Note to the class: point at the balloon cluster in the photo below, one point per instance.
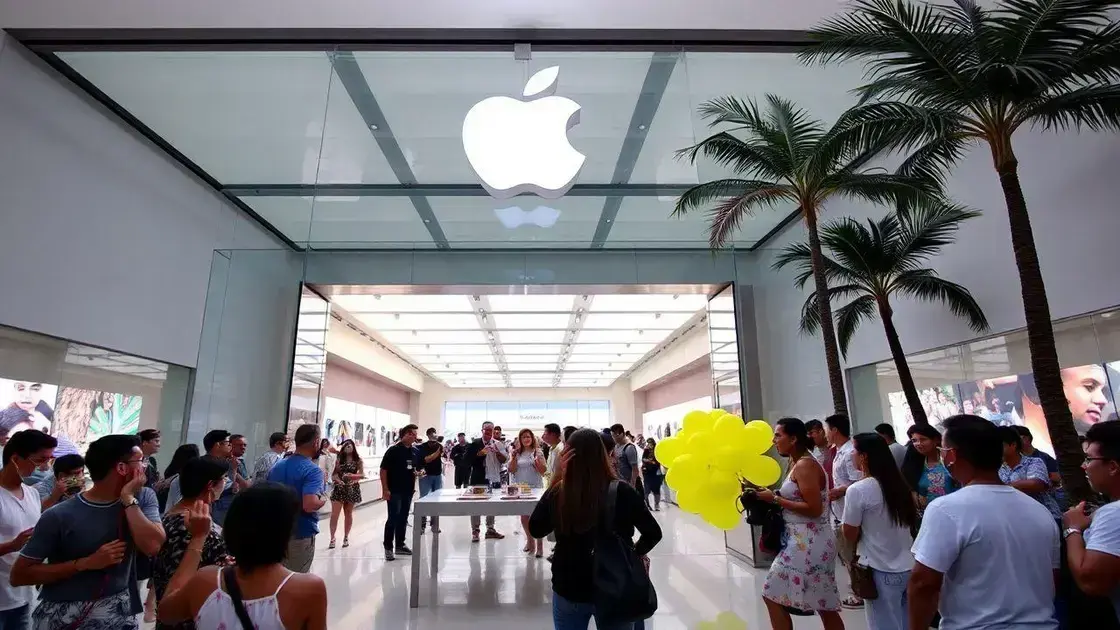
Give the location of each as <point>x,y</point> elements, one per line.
<point>707,459</point>
<point>725,621</point>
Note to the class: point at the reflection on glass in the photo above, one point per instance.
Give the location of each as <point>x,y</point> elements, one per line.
<point>310,364</point>
<point>514,217</point>
<point>724,346</point>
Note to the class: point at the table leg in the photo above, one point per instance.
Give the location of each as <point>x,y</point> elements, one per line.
<point>417,551</point>
<point>435,547</point>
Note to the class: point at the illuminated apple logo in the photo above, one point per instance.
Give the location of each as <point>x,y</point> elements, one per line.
<point>521,145</point>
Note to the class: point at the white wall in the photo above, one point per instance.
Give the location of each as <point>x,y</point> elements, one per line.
<point>1068,182</point>
<point>429,411</point>
<point>350,345</point>
<point>690,348</point>
<point>104,239</point>
<point>353,14</point>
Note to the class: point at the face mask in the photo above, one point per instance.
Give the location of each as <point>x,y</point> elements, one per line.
<point>35,477</point>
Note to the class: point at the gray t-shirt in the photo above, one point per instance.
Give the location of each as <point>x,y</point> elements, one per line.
<point>1103,536</point>
<point>77,528</point>
<point>627,457</point>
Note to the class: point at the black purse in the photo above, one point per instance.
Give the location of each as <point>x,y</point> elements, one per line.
<point>233,589</point>
<point>623,590</point>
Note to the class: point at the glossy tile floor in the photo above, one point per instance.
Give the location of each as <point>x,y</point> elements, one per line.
<point>493,585</point>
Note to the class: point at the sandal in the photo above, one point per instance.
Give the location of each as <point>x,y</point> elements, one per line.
<point>345,543</point>
<point>331,546</point>
<point>852,602</point>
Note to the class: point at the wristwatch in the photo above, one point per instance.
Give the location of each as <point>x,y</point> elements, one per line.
<point>1069,531</point>
<point>130,503</point>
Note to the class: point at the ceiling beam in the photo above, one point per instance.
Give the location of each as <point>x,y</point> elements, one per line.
<point>357,87</point>
<point>653,89</point>
<point>441,190</point>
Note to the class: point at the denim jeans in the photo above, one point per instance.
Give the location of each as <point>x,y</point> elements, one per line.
<point>16,618</point>
<point>890,610</point>
<point>429,483</point>
<point>568,615</point>
<point>398,505</point>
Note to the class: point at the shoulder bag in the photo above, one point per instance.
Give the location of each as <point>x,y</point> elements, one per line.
<point>233,589</point>
<point>623,590</point>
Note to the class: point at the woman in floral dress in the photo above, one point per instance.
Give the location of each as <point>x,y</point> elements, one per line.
<point>201,479</point>
<point>802,577</point>
<point>348,472</point>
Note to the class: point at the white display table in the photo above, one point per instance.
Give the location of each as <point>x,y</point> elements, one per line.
<point>447,503</point>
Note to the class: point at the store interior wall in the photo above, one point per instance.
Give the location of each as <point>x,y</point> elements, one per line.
<point>1073,213</point>
<point>105,238</point>
<point>348,344</point>
<point>350,382</point>
<point>689,383</point>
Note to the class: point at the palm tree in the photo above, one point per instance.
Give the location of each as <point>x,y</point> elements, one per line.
<point>869,264</point>
<point>786,157</point>
<point>971,75</point>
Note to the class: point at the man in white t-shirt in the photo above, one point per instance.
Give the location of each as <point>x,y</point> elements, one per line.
<point>844,474</point>
<point>987,555</point>
<point>1093,540</point>
<point>19,511</point>
<point>898,451</point>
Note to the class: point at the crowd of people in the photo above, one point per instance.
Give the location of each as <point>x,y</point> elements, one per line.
<point>962,530</point>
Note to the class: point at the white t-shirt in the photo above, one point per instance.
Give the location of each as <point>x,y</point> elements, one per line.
<point>883,545</point>
<point>899,452</point>
<point>998,549</point>
<point>844,473</point>
<point>1103,536</point>
<point>16,515</point>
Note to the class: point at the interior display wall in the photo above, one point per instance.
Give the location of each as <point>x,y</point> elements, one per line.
<point>352,384</point>
<point>105,239</point>
<point>689,384</point>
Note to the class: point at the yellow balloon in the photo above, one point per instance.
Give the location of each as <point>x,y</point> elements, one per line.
<point>669,449</point>
<point>727,426</point>
<point>707,625</point>
<point>763,426</point>
<point>758,440</point>
<point>686,472</point>
<point>723,487</point>
<point>703,444</point>
<point>724,519</point>
<point>727,458</point>
<point>690,500</point>
<point>716,414</point>
<point>697,421</point>
<point>760,470</point>
<point>728,620</point>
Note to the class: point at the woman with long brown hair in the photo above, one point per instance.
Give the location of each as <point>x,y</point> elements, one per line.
<point>527,466</point>
<point>571,508</point>
<point>346,493</point>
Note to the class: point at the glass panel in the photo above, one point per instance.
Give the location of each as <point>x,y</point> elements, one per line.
<point>310,361</point>
<point>724,348</point>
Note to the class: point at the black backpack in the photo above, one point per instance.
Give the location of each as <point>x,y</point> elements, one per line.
<point>623,590</point>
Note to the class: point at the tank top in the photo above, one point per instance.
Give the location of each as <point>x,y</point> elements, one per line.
<point>791,491</point>
<point>217,611</point>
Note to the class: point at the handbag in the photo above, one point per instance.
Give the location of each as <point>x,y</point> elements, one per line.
<point>863,582</point>
<point>623,590</point>
<point>233,589</point>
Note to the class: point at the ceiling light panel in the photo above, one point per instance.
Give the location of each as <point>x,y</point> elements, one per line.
<point>613,348</point>
<point>615,359</point>
<point>529,348</point>
<point>513,359</point>
<point>551,321</point>
<point>532,367</point>
<point>720,319</point>
<point>530,303</point>
<point>442,350</point>
<point>453,359</point>
<point>435,336</point>
<point>684,303</point>
<point>403,303</point>
<point>530,337</point>
<point>626,336</point>
<point>419,321</point>
<point>595,367</point>
<point>632,321</point>
<point>452,367</point>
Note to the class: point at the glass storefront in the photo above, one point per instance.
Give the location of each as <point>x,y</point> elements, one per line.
<point>79,393</point>
<point>468,416</point>
<point>991,377</point>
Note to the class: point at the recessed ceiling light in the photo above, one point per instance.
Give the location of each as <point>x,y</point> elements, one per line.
<point>396,315</point>
<point>376,297</point>
<point>675,297</point>
<point>373,127</point>
<point>414,333</point>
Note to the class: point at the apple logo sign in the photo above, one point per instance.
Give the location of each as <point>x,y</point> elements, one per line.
<point>521,145</point>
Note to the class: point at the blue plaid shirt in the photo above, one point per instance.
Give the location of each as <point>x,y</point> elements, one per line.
<point>1032,468</point>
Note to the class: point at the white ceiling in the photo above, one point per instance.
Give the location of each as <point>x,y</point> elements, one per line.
<point>524,340</point>
<point>284,117</point>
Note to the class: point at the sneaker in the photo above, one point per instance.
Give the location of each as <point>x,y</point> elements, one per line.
<point>492,534</point>
<point>474,536</point>
<point>403,551</point>
<point>389,557</point>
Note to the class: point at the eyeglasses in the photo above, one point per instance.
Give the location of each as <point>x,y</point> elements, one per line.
<point>945,449</point>
<point>39,461</point>
<point>1096,459</point>
<point>133,461</point>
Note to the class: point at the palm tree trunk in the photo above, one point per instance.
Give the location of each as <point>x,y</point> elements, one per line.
<point>828,328</point>
<point>1040,335</point>
<point>917,411</point>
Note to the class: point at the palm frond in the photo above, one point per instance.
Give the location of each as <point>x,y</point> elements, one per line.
<point>810,321</point>
<point>878,188</point>
<point>1046,33</point>
<point>700,195</point>
<point>932,161</point>
<point>753,158</point>
<point>1098,59</point>
<point>1096,107</point>
<point>850,316</point>
<point>728,215</point>
<point>798,131</point>
<point>928,226</point>
<point>800,257</point>
<point>923,284</point>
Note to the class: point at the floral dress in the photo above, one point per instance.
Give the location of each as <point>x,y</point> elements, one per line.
<point>171,554</point>
<point>346,491</point>
<point>803,575</point>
